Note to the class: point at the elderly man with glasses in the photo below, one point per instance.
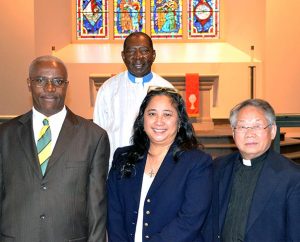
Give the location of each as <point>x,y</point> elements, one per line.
<point>256,190</point>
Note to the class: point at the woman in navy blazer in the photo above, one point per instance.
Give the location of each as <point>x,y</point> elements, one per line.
<point>159,189</point>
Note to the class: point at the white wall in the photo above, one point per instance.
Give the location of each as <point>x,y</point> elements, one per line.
<point>274,31</point>
<point>17,50</point>
<point>282,56</point>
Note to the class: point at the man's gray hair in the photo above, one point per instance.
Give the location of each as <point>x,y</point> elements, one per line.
<point>45,58</point>
<point>258,103</point>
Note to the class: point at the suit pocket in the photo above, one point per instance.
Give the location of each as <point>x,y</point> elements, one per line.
<point>83,239</point>
<point>76,164</point>
<point>6,238</point>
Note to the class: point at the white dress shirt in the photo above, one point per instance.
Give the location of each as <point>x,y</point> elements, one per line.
<point>147,181</point>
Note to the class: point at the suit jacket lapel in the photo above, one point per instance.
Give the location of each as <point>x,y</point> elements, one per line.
<point>66,135</point>
<point>265,186</point>
<point>225,185</point>
<point>163,172</point>
<point>26,137</point>
<point>138,179</point>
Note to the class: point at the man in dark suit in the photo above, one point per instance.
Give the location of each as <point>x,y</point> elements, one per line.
<point>256,191</point>
<point>53,166</point>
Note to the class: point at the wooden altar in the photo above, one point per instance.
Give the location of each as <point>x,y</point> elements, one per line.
<point>208,85</point>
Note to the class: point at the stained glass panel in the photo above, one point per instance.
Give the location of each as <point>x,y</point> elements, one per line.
<point>203,19</point>
<point>129,16</point>
<point>91,19</point>
<point>166,19</point>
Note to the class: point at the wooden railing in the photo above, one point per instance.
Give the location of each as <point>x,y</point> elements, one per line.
<point>285,120</point>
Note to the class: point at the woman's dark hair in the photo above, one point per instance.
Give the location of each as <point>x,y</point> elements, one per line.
<point>184,140</point>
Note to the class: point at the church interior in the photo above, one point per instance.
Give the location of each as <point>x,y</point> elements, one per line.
<point>263,34</point>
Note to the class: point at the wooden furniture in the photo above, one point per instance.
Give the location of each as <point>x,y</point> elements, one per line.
<point>208,85</point>
<point>284,120</point>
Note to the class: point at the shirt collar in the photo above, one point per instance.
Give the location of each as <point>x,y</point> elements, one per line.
<point>143,79</point>
<point>255,160</point>
<point>53,118</point>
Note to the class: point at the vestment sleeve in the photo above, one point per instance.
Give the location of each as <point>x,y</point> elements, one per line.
<point>101,108</point>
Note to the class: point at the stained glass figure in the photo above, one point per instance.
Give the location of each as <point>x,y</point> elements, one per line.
<point>91,19</point>
<point>129,16</point>
<point>166,19</point>
<point>203,18</point>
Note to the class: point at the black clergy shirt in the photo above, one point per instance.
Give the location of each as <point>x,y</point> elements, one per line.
<point>244,182</point>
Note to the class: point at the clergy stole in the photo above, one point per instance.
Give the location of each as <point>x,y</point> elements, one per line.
<point>192,83</point>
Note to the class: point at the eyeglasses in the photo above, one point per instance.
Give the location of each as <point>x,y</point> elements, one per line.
<point>162,89</point>
<point>43,81</point>
<point>255,128</point>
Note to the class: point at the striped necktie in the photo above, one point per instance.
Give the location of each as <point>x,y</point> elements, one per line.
<point>44,145</point>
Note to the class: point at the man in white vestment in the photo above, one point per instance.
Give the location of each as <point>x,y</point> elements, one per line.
<point>119,98</point>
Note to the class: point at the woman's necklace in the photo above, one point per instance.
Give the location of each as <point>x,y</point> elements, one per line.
<point>154,164</point>
<point>151,173</point>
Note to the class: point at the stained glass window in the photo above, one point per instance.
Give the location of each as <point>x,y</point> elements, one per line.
<point>203,18</point>
<point>166,18</point>
<point>161,19</point>
<point>129,16</point>
<point>92,19</point>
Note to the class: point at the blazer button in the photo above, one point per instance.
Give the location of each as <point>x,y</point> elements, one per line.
<point>42,217</point>
<point>148,200</point>
<point>148,212</point>
<point>146,224</point>
<point>44,187</point>
<point>147,236</point>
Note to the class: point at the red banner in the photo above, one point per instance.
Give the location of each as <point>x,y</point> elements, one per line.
<point>192,83</point>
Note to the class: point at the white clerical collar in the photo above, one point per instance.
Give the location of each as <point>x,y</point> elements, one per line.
<point>247,162</point>
<point>138,80</point>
